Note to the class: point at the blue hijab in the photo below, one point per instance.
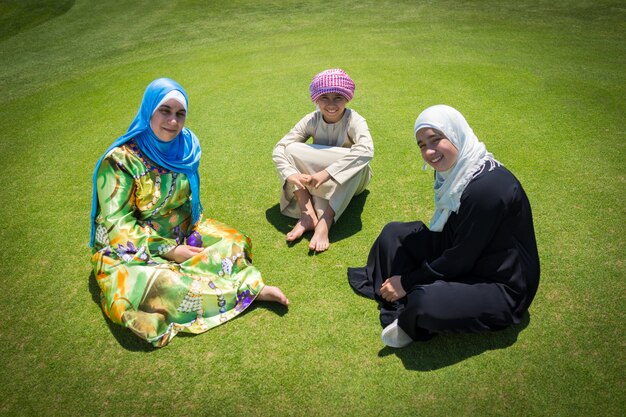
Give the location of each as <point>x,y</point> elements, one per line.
<point>182,154</point>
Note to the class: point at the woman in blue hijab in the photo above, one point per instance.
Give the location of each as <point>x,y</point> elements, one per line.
<point>161,267</point>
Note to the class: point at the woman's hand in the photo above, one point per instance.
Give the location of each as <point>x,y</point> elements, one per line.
<point>181,253</point>
<point>319,178</point>
<point>391,289</point>
<point>299,180</point>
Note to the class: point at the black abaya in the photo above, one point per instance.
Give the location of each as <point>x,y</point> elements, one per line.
<point>479,273</point>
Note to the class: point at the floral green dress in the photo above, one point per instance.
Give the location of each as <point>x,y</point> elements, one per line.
<point>144,212</point>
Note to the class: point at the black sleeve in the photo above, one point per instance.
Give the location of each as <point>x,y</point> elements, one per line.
<point>472,229</point>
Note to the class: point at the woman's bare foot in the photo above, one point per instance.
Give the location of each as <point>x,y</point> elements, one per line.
<point>307,222</point>
<point>274,294</point>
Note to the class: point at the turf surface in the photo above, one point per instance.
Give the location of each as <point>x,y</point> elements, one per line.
<point>541,82</point>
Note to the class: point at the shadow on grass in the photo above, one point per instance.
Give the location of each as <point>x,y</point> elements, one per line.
<point>276,308</point>
<point>448,349</point>
<point>348,225</point>
<point>23,15</point>
<point>129,341</point>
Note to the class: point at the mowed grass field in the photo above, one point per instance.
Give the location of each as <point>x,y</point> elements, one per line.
<point>541,82</point>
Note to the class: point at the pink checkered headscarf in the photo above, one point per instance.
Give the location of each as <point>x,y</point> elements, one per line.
<point>332,81</point>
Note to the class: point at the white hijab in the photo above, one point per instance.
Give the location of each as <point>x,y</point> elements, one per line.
<point>449,185</point>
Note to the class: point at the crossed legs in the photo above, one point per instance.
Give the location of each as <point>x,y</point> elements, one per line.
<point>317,207</point>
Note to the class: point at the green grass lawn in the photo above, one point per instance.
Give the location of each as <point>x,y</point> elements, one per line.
<point>543,84</point>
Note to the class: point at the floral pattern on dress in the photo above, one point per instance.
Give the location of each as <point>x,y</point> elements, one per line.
<point>143,291</point>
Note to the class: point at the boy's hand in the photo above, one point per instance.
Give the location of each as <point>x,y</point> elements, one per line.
<point>299,180</point>
<point>319,178</point>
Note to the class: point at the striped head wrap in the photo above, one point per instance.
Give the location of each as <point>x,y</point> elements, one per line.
<point>332,81</point>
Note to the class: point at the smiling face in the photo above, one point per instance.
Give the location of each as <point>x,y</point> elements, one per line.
<point>332,106</point>
<point>168,120</point>
<point>437,150</point>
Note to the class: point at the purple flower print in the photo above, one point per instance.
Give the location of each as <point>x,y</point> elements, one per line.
<point>129,252</point>
<point>195,239</point>
<point>126,250</point>
<point>243,300</point>
<point>178,234</point>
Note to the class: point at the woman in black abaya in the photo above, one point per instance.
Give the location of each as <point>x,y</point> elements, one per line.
<point>476,268</point>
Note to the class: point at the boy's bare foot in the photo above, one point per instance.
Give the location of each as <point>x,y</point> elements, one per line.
<point>307,222</point>
<point>319,241</point>
<point>273,294</point>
